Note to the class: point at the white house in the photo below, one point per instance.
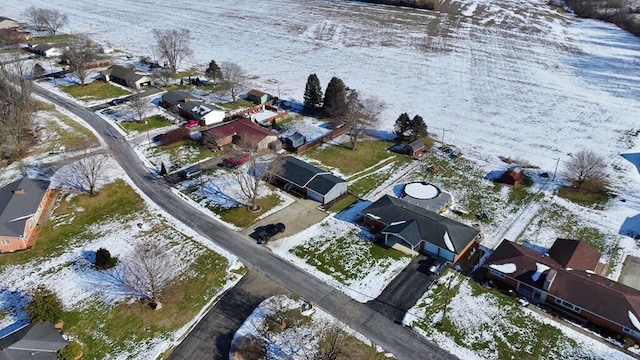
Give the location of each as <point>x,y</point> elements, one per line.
<point>48,50</point>
<point>207,115</point>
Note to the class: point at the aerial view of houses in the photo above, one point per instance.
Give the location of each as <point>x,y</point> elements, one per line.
<point>458,183</point>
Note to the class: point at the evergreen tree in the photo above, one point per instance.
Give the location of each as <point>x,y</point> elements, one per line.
<point>418,127</point>
<point>104,260</point>
<point>163,169</point>
<point>402,125</point>
<point>181,81</point>
<point>313,93</point>
<point>335,97</point>
<point>45,306</point>
<point>213,72</point>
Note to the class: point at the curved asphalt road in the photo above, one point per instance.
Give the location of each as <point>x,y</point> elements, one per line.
<point>402,342</point>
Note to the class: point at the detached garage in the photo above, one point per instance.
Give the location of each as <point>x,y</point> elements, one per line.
<point>313,182</point>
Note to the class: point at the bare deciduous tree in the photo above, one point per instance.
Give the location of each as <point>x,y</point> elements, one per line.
<point>139,105</point>
<point>173,45</point>
<point>233,77</point>
<point>333,341</point>
<point>50,20</point>
<point>79,54</point>
<point>86,173</point>
<point>17,109</point>
<point>163,76</point>
<point>250,176</point>
<point>147,271</point>
<point>359,115</point>
<point>585,167</point>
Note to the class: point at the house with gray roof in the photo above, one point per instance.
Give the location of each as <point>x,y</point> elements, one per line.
<point>39,341</point>
<point>299,176</point>
<point>126,76</point>
<point>420,230</point>
<point>182,103</point>
<point>22,204</point>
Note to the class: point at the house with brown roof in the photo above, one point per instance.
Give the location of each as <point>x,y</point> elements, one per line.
<point>564,281</point>
<point>420,230</point>
<point>126,76</point>
<point>22,205</point>
<point>242,131</point>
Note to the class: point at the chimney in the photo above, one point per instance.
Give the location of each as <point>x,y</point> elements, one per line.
<point>551,275</point>
<point>19,191</point>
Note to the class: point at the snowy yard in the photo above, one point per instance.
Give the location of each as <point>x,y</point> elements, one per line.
<point>99,311</point>
<point>342,254</point>
<point>482,324</point>
<point>303,337</point>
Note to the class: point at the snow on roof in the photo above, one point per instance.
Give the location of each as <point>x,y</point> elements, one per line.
<point>263,116</point>
<point>373,216</point>
<point>540,268</point>
<point>508,268</point>
<point>398,222</point>
<point>447,241</point>
<point>634,320</point>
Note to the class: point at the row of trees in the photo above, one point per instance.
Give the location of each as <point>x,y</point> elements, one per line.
<point>50,20</point>
<point>344,105</point>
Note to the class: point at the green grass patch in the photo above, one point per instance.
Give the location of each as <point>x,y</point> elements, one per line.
<point>377,175</point>
<point>51,38</point>
<point>236,105</point>
<point>595,198</point>
<point>183,74</point>
<point>346,257</point>
<point>241,216</point>
<point>152,122</point>
<point>343,203</point>
<point>106,330</point>
<point>96,90</point>
<point>368,153</point>
<point>503,324</point>
<point>72,217</point>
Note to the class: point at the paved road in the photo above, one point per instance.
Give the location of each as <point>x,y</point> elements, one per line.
<point>405,290</point>
<point>394,338</point>
<point>211,338</point>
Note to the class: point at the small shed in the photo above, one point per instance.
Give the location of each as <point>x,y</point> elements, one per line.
<point>258,97</point>
<point>512,176</point>
<point>294,140</point>
<point>414,148</point>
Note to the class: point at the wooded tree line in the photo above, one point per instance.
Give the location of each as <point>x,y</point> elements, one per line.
<point>623,13</point>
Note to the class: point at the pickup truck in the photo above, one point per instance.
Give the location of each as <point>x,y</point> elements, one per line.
<point>269,231</point>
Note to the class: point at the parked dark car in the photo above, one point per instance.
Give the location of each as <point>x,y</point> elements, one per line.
<point>269,231</point>
<point>118,101</point>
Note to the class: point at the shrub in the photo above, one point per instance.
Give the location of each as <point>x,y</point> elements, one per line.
<point>70,352</point>
<point>45,306</point>
<point>104,260</point>
<point>251,347</point>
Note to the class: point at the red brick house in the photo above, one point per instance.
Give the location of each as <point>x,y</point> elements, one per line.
<point>22,204</point>
<point>564,281</point>
<point>241,131</point>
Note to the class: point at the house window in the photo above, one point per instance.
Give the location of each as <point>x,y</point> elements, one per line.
<point>497,273</point>
<point>5,242</point>
<point>568,305</point>
<point>632,332</point>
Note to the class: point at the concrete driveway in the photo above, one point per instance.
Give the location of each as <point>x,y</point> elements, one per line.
<point>298,216</point>
<point>630,274</point>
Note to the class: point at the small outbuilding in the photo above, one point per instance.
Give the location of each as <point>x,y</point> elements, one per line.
<point>294,141</point>
<point>258,97</point>
<point>513,176</point>
<point>414,148</point>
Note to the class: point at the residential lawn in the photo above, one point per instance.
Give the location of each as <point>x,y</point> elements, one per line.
<point>50,38</point>
<point>105,330</point>
<point>241,217</point>
<point>377,175</point>
<point>345,258</point>
<point>152,122</point>
<point>368,153</point>
<point>521,194</point>
<point>182,153</point>
<point>116,200</point>
<point>585,196</point>
<point>473,192</point>
<point>96,90</point>
<point>489,323</point>
<point>183,74</point>
<point>76,138</point>
<point>238,104</point>
<point>343,203</point>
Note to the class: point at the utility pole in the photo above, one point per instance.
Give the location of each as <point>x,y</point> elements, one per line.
<point>556,169</point>
<point>149,138</point>
<point>442,139</point>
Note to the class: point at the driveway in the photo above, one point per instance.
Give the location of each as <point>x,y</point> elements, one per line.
<point>405,290</point>
<point>211,338</point>
<point>630,274</point>
<point>298,216</point>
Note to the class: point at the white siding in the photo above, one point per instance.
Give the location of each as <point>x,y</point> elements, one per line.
<point>335,192</point>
